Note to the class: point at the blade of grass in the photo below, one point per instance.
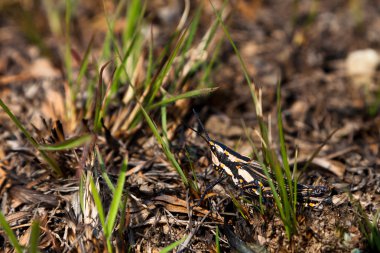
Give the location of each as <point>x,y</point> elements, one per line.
<point>207,70</point>
<point>165,146</point>
<point>134,12</point>
<point>193,183</point>
<point>167,66</point>
<point>99,208</point>
<point>81,193</point>
<point>34,237</point>
<point>67,144</point>
<point>116,199</point>
<point>172,246</point>
<point>121,68</point>
<point>103,168</point>
<point>110,40</point>
<point>99,98</point>
<point>217,244</point>
<point>186,95</point>
<point>164,124</point>
<point>295,181</point>
<point>84,62</point>
<point>123,214</point>
<point>151,64</point>
<point>9,233</point>
<point>239,207</point>
<point>49,160</point>
<point>98,202</point>
<point>284,154</point>
<point>68,57</point>
<point>251,84</point>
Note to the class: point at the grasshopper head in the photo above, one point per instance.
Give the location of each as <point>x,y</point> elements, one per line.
<point>215,147</point>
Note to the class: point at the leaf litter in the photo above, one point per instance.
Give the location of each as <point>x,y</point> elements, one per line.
<point>318,97</point>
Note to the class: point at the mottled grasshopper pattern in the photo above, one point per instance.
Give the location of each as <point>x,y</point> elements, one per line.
<point>248,175</point>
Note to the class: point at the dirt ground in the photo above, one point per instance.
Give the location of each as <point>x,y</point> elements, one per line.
<point>326,56</point>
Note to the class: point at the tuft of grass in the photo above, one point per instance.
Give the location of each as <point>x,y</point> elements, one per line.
<point>283,192</point>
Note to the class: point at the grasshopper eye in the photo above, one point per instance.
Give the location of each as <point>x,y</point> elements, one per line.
<point>213,148</point>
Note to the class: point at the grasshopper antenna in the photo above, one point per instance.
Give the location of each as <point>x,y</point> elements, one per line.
<point>207,138</point>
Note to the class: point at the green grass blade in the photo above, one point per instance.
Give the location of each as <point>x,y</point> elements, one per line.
<point>123,215</point>
<point>251,84</point>
<point>134,13</point>
<point>167,66</point>
<point>84,62</point>
<point>164,124</point>
<point>186,95</point>
<point>209,67</point>
<point>68,57</point>
<point>295,181</point>
<point>110,40</point>
<point>284,154</point>
<point>81,192</point>
<point>150,64</point>
<point>9,233</point>
<point>34,237</point>
<point>165,146</point>
<point>172,246</point>
<point>116,199</point>
<point>239,207</point>
<point>67,144</point>
<point>104,173</point>
<point>217,243</point>
<point>53,163</point>
<point>121,69</point>
<point>98,202</point>
<point>193,183</point>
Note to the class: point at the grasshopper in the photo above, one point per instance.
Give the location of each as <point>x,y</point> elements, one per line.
<point>248,174</point>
